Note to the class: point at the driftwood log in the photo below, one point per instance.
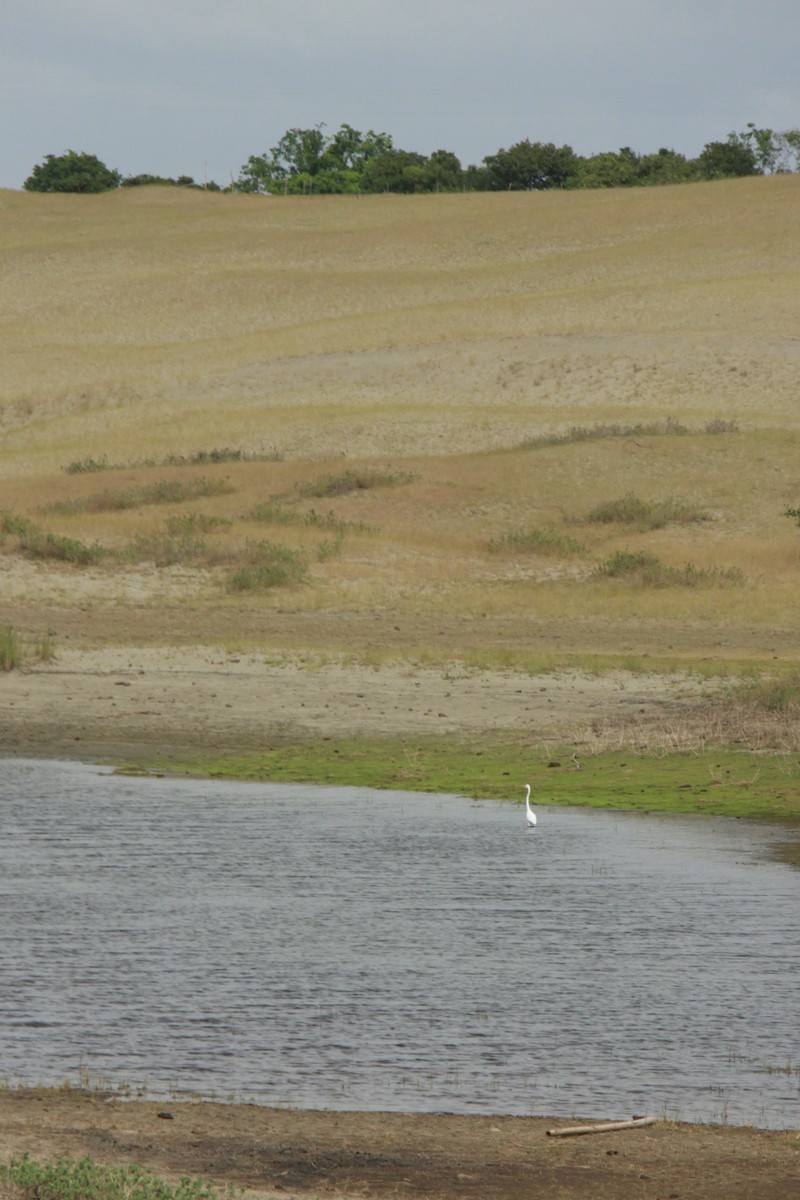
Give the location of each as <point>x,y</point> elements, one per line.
<point>605,1127</point>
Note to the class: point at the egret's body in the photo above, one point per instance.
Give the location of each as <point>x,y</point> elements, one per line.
<point>530,815</point>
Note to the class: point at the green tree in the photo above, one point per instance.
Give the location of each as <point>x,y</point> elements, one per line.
<point>607,170</point>
<point>306,161</point>
<point>400,171</point>
<point>442,172</point>
<point>72,172</point>
<point>764,145</point>
<point>726,160</point>
<point>533,166</point>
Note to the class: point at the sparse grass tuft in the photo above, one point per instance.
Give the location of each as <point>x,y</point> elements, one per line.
<point>352,481</point>
<point>778,695</point>
<point>274,513</point>
<point>192,524</point>
<point>163,491</point>
<point>589,433</point>
<point>536,541</point>
<point>200,458</point>
<point>85,466</point>
<point>645,514</point>
<point>638,568</point>
<point>11,654</point>
<point>720,425</point>
<point>268,565</point>
<point>84,1179</point>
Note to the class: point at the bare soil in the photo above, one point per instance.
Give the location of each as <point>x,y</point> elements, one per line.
<point>283,1152</point>
<point>128,702</point>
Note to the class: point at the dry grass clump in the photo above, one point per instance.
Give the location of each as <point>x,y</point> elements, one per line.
<point>14,652</point>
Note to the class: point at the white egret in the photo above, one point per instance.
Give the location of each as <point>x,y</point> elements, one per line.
<point>530,815</point>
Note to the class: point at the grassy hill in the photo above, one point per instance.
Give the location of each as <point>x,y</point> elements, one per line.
<point>523,430</point>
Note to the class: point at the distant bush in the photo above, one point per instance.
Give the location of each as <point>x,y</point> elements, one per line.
<point>163,491</point>
<point>72,172</point>
<point>268,565</point>
<point>584,433</point>
<point>778,695</point>
<point>199,459</point>
<point>645,514</point>
<point>719,425</point>
<point>36,543</point>
<point>352,481</point>
<point>274,513</point>
<point>83,466</point>
<point>535,541</point>
<point>637,567</point>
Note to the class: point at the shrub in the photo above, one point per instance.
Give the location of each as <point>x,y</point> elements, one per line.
<point>584,433</point>
<point>645,514</point>
<point>779,695</point>
<point>640,568</point>
<point>84,466</point>
<point>37,544</point>
<point>269,565</point>
<point>352,481</point>
<point>163,491</point>
<point>535,541</point>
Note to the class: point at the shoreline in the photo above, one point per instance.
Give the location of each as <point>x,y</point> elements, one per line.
<point>303,1153</point>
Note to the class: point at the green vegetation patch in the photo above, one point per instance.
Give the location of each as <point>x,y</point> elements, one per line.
<point>645,514</point>
<point>729,783</point>
<point>268,565</point>
<point>536,541</point>
<point>272,512</point>
<point>638,568</point>
<point>351,481</point>
<point>200,458</point>
<point>163,491</point>
<point>602,430</point>
<point>29,539</point>
<point>84,1179</point>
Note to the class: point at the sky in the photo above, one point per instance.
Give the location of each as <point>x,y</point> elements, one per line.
<point>195,87</point>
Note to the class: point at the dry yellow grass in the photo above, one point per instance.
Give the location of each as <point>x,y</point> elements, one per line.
<point>428,335</point>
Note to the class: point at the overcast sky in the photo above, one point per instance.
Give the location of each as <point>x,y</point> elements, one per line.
<point>194,87</point>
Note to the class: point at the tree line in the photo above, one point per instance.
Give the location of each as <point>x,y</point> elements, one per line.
<point>349,162</point>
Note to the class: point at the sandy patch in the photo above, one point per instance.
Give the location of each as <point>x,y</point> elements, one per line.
<point>95,700</point>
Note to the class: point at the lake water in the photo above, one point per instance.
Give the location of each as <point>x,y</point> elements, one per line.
<point>346,948</point>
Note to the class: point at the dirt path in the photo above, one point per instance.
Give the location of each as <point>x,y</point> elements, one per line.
<point>283,1152</point>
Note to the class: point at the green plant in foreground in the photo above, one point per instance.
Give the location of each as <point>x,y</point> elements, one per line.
<point>11,654</point>
<point>84,1179</point>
